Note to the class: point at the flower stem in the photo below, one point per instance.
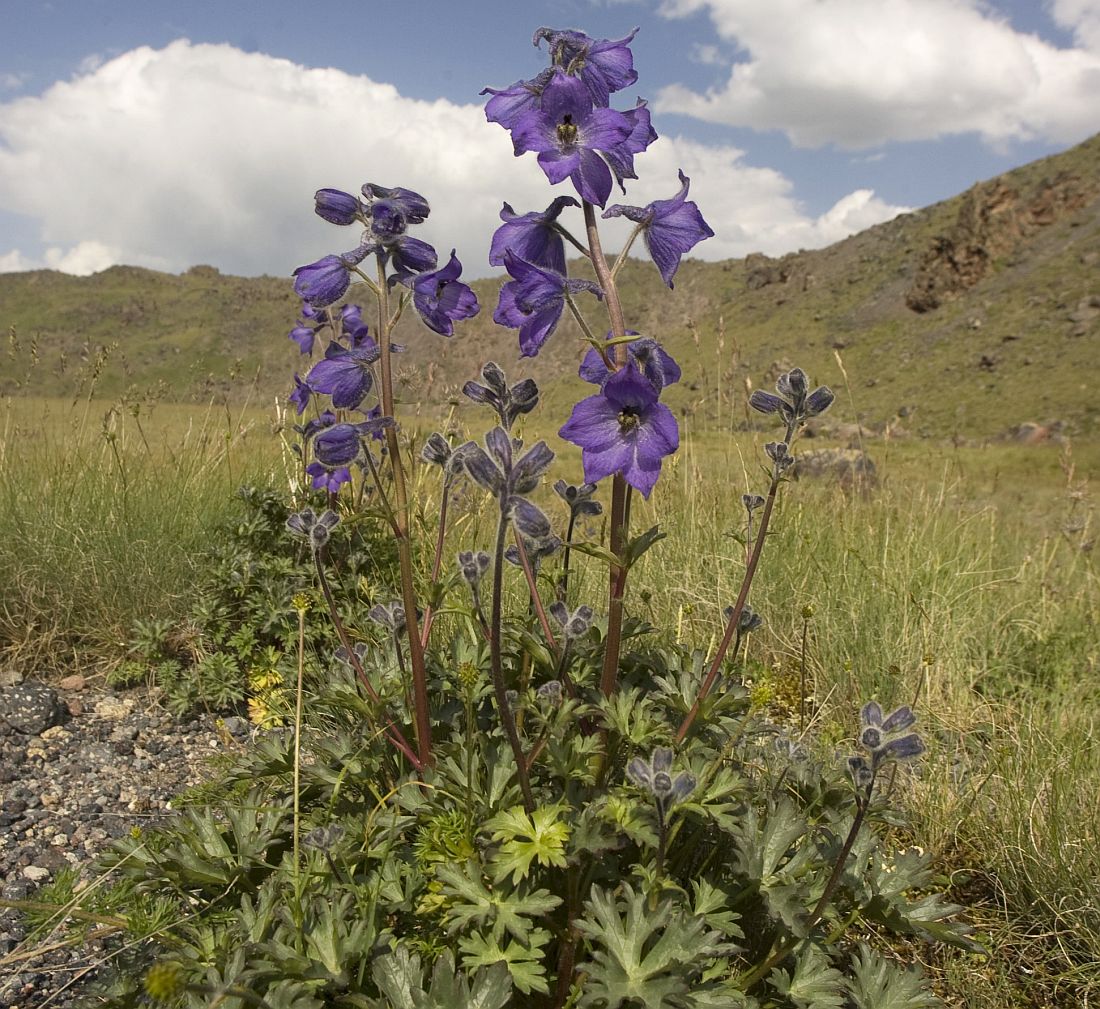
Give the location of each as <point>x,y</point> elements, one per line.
<point>621,259</point>
<point>437,564</point>
<point>619,531</point>
<point>735,616</point>
<point>742,596</point>
<point>421,714</point>
<point>392,732</point>
<point>863,801</point>
<point>298,750</point>
<point>507,719</point>
<point>533,588</point>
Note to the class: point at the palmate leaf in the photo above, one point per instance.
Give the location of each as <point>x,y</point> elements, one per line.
<point>492,987</point>
<point>769,854</point>
<point>525,961</point>
<point>712,905</point>
<point>813,984</point>
<point>645,956</point>
<point>879,984</point>
<point>765,845</point>
<point>473,904</point>
<point>719,797</point>
<point>400,978</point>
<point>923,917</point>
<point>523,838</point>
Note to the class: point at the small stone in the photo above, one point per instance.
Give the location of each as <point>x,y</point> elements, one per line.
<point>74,682</point>
<point>56,734</point>
<point>10,678</point>
<point>113,709</point>
<point>35,873</point>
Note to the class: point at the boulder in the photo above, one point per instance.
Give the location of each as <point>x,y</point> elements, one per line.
<point>32,708</point>
<point>848,466</point>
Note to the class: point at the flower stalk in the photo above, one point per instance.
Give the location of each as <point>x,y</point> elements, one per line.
<point>616,589</point>
<point>421,712</point>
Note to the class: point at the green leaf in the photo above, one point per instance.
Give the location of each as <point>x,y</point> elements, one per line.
<point>450,990</point>
<point>525,961</point>
<point>474,904</point>
<point>712,905</point>
<point>813,984</point>
<point>398,975</point>
<point>879,984</point>
<point>646,956</point>
<point>600,553</point>
<point>524,839</point>
<point>639,544</point>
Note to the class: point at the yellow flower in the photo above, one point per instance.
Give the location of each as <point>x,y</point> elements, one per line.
<point>164,981</point>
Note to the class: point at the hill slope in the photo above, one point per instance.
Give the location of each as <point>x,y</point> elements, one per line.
<point>966,317</point>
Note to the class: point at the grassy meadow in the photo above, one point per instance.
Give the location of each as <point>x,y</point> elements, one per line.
<point>963,581</point>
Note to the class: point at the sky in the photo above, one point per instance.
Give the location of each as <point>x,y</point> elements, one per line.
<point>167,134</point>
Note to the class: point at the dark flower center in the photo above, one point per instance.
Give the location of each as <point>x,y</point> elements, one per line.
<point>628,420</point>
<point>567,131</point>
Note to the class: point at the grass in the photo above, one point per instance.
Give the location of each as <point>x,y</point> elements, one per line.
<point>106,513</point>
<point>963,582</point>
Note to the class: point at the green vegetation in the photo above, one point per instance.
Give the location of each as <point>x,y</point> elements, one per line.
<point>964,581</point>
<point>1013,347</point>
<point>961,580</point>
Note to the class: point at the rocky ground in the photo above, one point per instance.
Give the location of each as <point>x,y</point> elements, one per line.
<point>80,766</point>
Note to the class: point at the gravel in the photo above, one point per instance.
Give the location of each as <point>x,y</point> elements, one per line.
<point>79,768</point>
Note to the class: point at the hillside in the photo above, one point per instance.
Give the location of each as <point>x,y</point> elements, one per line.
<point>968,317</point>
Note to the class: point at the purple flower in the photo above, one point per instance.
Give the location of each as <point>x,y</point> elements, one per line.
<point>441,299</point>
<point>345,373</point>
<point>329,480</point>
<point>313,320</point>
<point>300,396</point>
<point>642,134</point>
<point>646,354</point>
<point>670,228</point>
<point>568,133</point>
<point>337,445</point>
<point>337,207</point>
<point>303,336</point>
<point>389,205</point>
<point>605,66</point>
<point>533,236</point>
<point>410,257</point>
<point>325,281</point>
<point>508,104</point>
<point>623,429</point>
<point>533,301</point>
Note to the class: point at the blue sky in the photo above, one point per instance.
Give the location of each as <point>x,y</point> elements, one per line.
<point>166,134</point>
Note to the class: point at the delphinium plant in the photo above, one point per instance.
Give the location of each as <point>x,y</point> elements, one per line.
<point>549,803</point>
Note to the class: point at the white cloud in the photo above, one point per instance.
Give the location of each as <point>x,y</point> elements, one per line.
<point>749,209</point>
<point>708,55</point>
<point>859,73</point>
<point>206,154</point>
<point>13,261</point>
<point>1081,17</point>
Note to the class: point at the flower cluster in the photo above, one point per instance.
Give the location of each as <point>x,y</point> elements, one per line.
<point>346,373</point>
<point>884,739</point>
<point>654,776</point>
<point>564,116</point>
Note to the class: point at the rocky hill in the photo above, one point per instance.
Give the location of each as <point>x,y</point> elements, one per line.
<point>969,317</point>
